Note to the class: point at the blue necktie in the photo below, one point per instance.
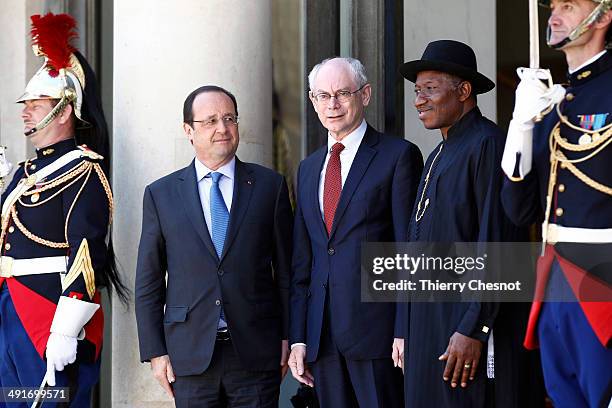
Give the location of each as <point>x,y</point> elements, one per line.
<point>218,214</point>
<point>219,220</point>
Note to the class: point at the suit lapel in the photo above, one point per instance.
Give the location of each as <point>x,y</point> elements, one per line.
<point>318,162</point>
<point>243,189</point>
<point>190,197</point>
<point>362,160</point>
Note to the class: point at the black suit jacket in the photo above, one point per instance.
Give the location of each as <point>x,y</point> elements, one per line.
<point>251,279</point>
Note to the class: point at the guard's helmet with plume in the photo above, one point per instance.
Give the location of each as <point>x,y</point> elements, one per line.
<point>66,76</point>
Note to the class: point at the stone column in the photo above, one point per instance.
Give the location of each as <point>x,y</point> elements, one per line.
<point>20,64</point>
<point>162,51</point>
<point>472,22</point>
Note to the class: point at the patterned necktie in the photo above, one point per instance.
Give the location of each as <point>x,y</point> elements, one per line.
<point>333,186</point>
<point>218,214</point>
<point>219,219</point>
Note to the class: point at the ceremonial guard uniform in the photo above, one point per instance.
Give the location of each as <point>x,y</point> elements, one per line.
<point>561,177</point>
<point>56,214</point>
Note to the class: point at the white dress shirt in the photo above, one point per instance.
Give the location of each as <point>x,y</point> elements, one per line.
<point>351,143</point>
<point>226,185</point>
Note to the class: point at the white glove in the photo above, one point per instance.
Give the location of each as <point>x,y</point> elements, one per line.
<point>61,351</point>
<point>67,327</point>
<point>519,140</point>
<point>5,165</point>
<point>532,98</point>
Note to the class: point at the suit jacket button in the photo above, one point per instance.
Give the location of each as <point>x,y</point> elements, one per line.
<point>331,251</point>
<point>220,272</point>
<point>218,302</point>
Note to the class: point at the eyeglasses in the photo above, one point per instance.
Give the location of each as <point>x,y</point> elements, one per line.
<point>228,120</point>
<point>428,92</point>
<point>341,96</point>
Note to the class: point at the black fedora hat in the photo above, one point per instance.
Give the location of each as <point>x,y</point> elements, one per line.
<point>452,57</point>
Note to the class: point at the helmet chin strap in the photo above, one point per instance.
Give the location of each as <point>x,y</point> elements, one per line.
<point>68,95</point>
<point>584,26</point>
<point>561,43</point>
<point>57,109</point>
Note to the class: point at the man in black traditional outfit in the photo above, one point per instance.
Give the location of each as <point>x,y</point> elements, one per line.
<point>448,359</point>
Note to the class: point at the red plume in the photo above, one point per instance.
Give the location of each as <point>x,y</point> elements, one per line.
<point>53,33</point>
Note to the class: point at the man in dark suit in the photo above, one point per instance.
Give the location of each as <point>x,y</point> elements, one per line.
<point>359,187</point>
<point>215,252</point>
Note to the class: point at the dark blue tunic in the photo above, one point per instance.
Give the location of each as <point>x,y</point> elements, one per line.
<point>574,203</point>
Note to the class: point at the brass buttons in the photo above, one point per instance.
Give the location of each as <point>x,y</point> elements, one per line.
<point>7,246</point>
<point>559,212</point>
<point>569,97</point>
<point>561,188</point>
<point>11,229</point>
<point>35,197</point>
<point>584,75</point>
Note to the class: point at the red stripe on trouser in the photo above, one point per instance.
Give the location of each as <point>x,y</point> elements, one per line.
<point>585,287</point>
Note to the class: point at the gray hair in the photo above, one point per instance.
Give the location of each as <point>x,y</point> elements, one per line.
<point>354,65</point>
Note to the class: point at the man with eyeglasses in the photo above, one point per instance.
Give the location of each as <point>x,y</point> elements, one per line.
<point>359,187</point>
<point>213,274</point>
<point>460,354</point>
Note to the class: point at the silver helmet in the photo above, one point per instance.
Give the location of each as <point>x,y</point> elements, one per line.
<point>61,76</point>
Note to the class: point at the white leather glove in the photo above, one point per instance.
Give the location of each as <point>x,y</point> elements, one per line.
<point>67,327</point>
<point>61,351</point>
<point>532,98</point>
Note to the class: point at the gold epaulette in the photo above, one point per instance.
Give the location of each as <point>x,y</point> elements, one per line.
<point>90,154</point>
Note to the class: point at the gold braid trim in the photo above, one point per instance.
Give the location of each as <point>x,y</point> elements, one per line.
<point>73,175</point>
<point>557,156</point>
<point>61,179</point>
<point>81,266</point>
<point>566,122</point>
<point>76,197</point>
<point>33,237</point>
<point>74,180</point>
<point>603,137</point>
<point>583,177</point>
<point>5,222</point>
<point>107,190</point>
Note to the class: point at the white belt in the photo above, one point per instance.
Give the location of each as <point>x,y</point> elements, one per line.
<point>10,267</point>
<point>559,233</point>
